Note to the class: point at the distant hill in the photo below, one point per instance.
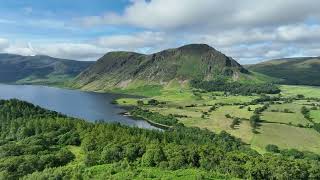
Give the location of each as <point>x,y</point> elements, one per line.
<point>299,71</point>
<point>38,69</point>
<point>124,69</point>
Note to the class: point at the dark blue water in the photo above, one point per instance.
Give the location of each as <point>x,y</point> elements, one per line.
<point>85,105</point>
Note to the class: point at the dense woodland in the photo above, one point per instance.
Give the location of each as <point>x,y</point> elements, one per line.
<point>34,139</point>
<point>235,87</point>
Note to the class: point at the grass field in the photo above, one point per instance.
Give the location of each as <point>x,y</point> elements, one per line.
<point>315,115</point>
<point>281,128</point>
<point>304,139</point>
<point>307,91</point>
<point>293,117</point>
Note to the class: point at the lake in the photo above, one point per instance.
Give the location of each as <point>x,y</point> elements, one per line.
<point>84,105</point>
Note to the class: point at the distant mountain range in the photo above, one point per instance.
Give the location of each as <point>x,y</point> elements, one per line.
<point>130,70</point>
<point>127,69</point>
<point>38,69</point>
<point>299,71</point>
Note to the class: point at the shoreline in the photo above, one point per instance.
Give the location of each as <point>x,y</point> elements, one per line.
<point>158,125</point>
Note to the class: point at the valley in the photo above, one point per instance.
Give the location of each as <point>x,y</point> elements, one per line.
<point>177,78</point>
<point>282,123</point>
<point>191,112</point>
<point>159,90</point>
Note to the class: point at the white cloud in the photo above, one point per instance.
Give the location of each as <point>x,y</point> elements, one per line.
<point>199,14</point>
<point>246,30</point>
<point>4,43</point>
<point>77,51</point>
<point>299,32</point>
<point>136,41</point>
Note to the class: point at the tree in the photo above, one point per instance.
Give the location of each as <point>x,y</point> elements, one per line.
<point>235,121</point>
<point>272,148</point>
<point>254,120</point>
<point>140,103</point>
<point>300,96</point>
<point>153,156</point>
<point>304,110</point>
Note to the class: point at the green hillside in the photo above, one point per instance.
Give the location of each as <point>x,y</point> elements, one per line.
<point>41,144</point>
<point>129,69</point>
<point>294,71</point>
<point>38,69</point>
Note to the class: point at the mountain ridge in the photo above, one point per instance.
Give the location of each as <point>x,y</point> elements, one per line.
<point>192,61</point>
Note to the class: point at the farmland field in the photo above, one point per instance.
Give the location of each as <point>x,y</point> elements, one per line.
<point>283,124</point>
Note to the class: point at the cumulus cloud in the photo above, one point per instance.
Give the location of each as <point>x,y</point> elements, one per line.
<point>247,30</point>
<point>301,32</point>
<point>175,14</point>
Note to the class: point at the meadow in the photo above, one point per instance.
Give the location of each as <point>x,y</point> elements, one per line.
<point>282,123</point>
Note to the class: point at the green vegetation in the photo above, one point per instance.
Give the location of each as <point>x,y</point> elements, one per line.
<point>41,144</point>
<point>145,90</point>
<point>50,80</point>
<point>154,117</point>
<point>286,137</point>
<point>294,71</point>
<point>280,114</point>
<point>307,91</point>
<point>38,69</point>
<point>235,87</point>
<point>315,115</point>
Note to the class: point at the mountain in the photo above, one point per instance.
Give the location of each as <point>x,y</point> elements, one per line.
<point>300,71</point>
<point>125,69</point>
<point>38,69</point>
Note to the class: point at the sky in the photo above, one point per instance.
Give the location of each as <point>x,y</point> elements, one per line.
<point>249,31</point>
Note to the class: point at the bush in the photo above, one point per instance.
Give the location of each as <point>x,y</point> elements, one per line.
<point>228,116</point>
<point>272,148</point>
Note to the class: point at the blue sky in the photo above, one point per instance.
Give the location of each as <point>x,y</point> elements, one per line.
<point>247,30</point>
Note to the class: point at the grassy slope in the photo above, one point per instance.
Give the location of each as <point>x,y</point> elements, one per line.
<point>50,80</point>
<point>278,131</point>
<point>42,70</point>
<point>295,117</point>
<point>286,137</point>
<point>307,91</point>
<point>315,115</point>
<point>302,71</point>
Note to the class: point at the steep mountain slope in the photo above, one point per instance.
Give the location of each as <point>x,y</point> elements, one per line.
<point>37,69</point>
<point>123,69</point>
<point>301,71</point>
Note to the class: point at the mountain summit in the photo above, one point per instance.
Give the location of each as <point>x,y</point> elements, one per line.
<point>193,61</point>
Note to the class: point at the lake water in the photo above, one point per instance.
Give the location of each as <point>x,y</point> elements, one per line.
<point>85,105</point>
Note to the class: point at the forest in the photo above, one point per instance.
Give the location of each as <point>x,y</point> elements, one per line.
<point>235,87</point>
<point>39,144</point>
